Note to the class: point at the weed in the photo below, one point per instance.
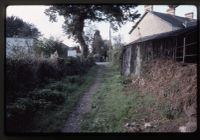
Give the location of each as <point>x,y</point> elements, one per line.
<point>54,120</point>
<point>111,107</point>
<point>168,111</point>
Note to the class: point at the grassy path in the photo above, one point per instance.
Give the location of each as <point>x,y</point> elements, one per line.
<point>114,107</point>
<point>84,106</point>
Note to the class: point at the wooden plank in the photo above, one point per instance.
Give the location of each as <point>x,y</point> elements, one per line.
<point>191,44</point>
<point>175,49</point>
<point>191,55</point>
<point>179,57</point>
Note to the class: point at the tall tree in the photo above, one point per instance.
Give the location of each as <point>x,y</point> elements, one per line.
<point>98,43</point>
<point>99,46</point>
<point>16,27</point>
<point>76,16</point>
<point>49,46</point>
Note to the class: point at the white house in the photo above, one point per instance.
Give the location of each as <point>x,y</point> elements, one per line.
<point>74,51</point>
<point>152,22</point>
<point>18,46</point>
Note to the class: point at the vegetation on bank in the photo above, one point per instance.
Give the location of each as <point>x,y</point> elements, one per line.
<point>114,106</point>
<point>35,88</point>
<point>72,89</point>
<point>119,106</point>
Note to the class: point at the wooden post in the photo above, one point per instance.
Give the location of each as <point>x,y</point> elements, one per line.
<point>174,55</point>
<point>184,50</point>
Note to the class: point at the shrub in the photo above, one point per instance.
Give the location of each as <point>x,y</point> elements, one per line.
<point>25,75</point>
<point>53,96</point>
<point>19,114</point>
<point>19,70</point>
<point>169,111</point>
<point>59,86</point>
<point>47,69</point>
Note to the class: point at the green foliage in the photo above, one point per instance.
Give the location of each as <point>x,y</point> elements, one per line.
<point>30,73</point>
<point>167,110</point>
<point>116,55</point>
<point>54,120</point>
<point>53,96</point>
<point>49,46</point>
<point>99,47</point>
<point>35,93</point>
<point>18,112</point>
<point>109,106</point>
<point>97,43</point>
<point>17,27</point>
<point>76,16</point>
<point>113,106</point>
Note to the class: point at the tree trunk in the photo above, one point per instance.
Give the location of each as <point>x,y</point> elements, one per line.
<point>79,35</point>
<point>83,45</point>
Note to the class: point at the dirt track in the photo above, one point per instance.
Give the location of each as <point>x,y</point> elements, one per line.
<point>74,121</point>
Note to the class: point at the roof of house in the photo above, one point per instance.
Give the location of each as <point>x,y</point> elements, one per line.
<point>176,21</point>
<point>163,35</point>
<point>72,48</point>
<point>64,45</point>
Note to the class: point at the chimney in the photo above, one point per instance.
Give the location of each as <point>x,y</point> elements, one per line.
<point>148,8</point>
<point>189,15</point>
<point>171,11</point>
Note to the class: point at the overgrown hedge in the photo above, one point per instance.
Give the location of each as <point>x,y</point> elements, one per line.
<point>25,75</point>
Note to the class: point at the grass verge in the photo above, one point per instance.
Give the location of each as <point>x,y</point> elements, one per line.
<point>113,106</point>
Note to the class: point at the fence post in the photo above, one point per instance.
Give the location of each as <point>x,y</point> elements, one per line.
<point>184,50</point>
<point>174,55</point>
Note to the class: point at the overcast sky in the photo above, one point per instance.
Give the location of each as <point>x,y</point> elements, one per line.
<point>36,16</point>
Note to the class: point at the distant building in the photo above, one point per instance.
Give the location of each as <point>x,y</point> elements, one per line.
<point>74,51</point>
<point>18,46</point>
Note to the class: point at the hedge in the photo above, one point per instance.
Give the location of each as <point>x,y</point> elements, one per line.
<point>25,75</point>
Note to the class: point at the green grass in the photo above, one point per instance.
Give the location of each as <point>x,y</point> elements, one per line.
<point>113,106</point>
<point>72,87</point>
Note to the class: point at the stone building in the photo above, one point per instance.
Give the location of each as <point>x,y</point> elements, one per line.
<point>160,35</point>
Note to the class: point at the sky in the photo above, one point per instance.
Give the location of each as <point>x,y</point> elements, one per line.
<point>35,15</point>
